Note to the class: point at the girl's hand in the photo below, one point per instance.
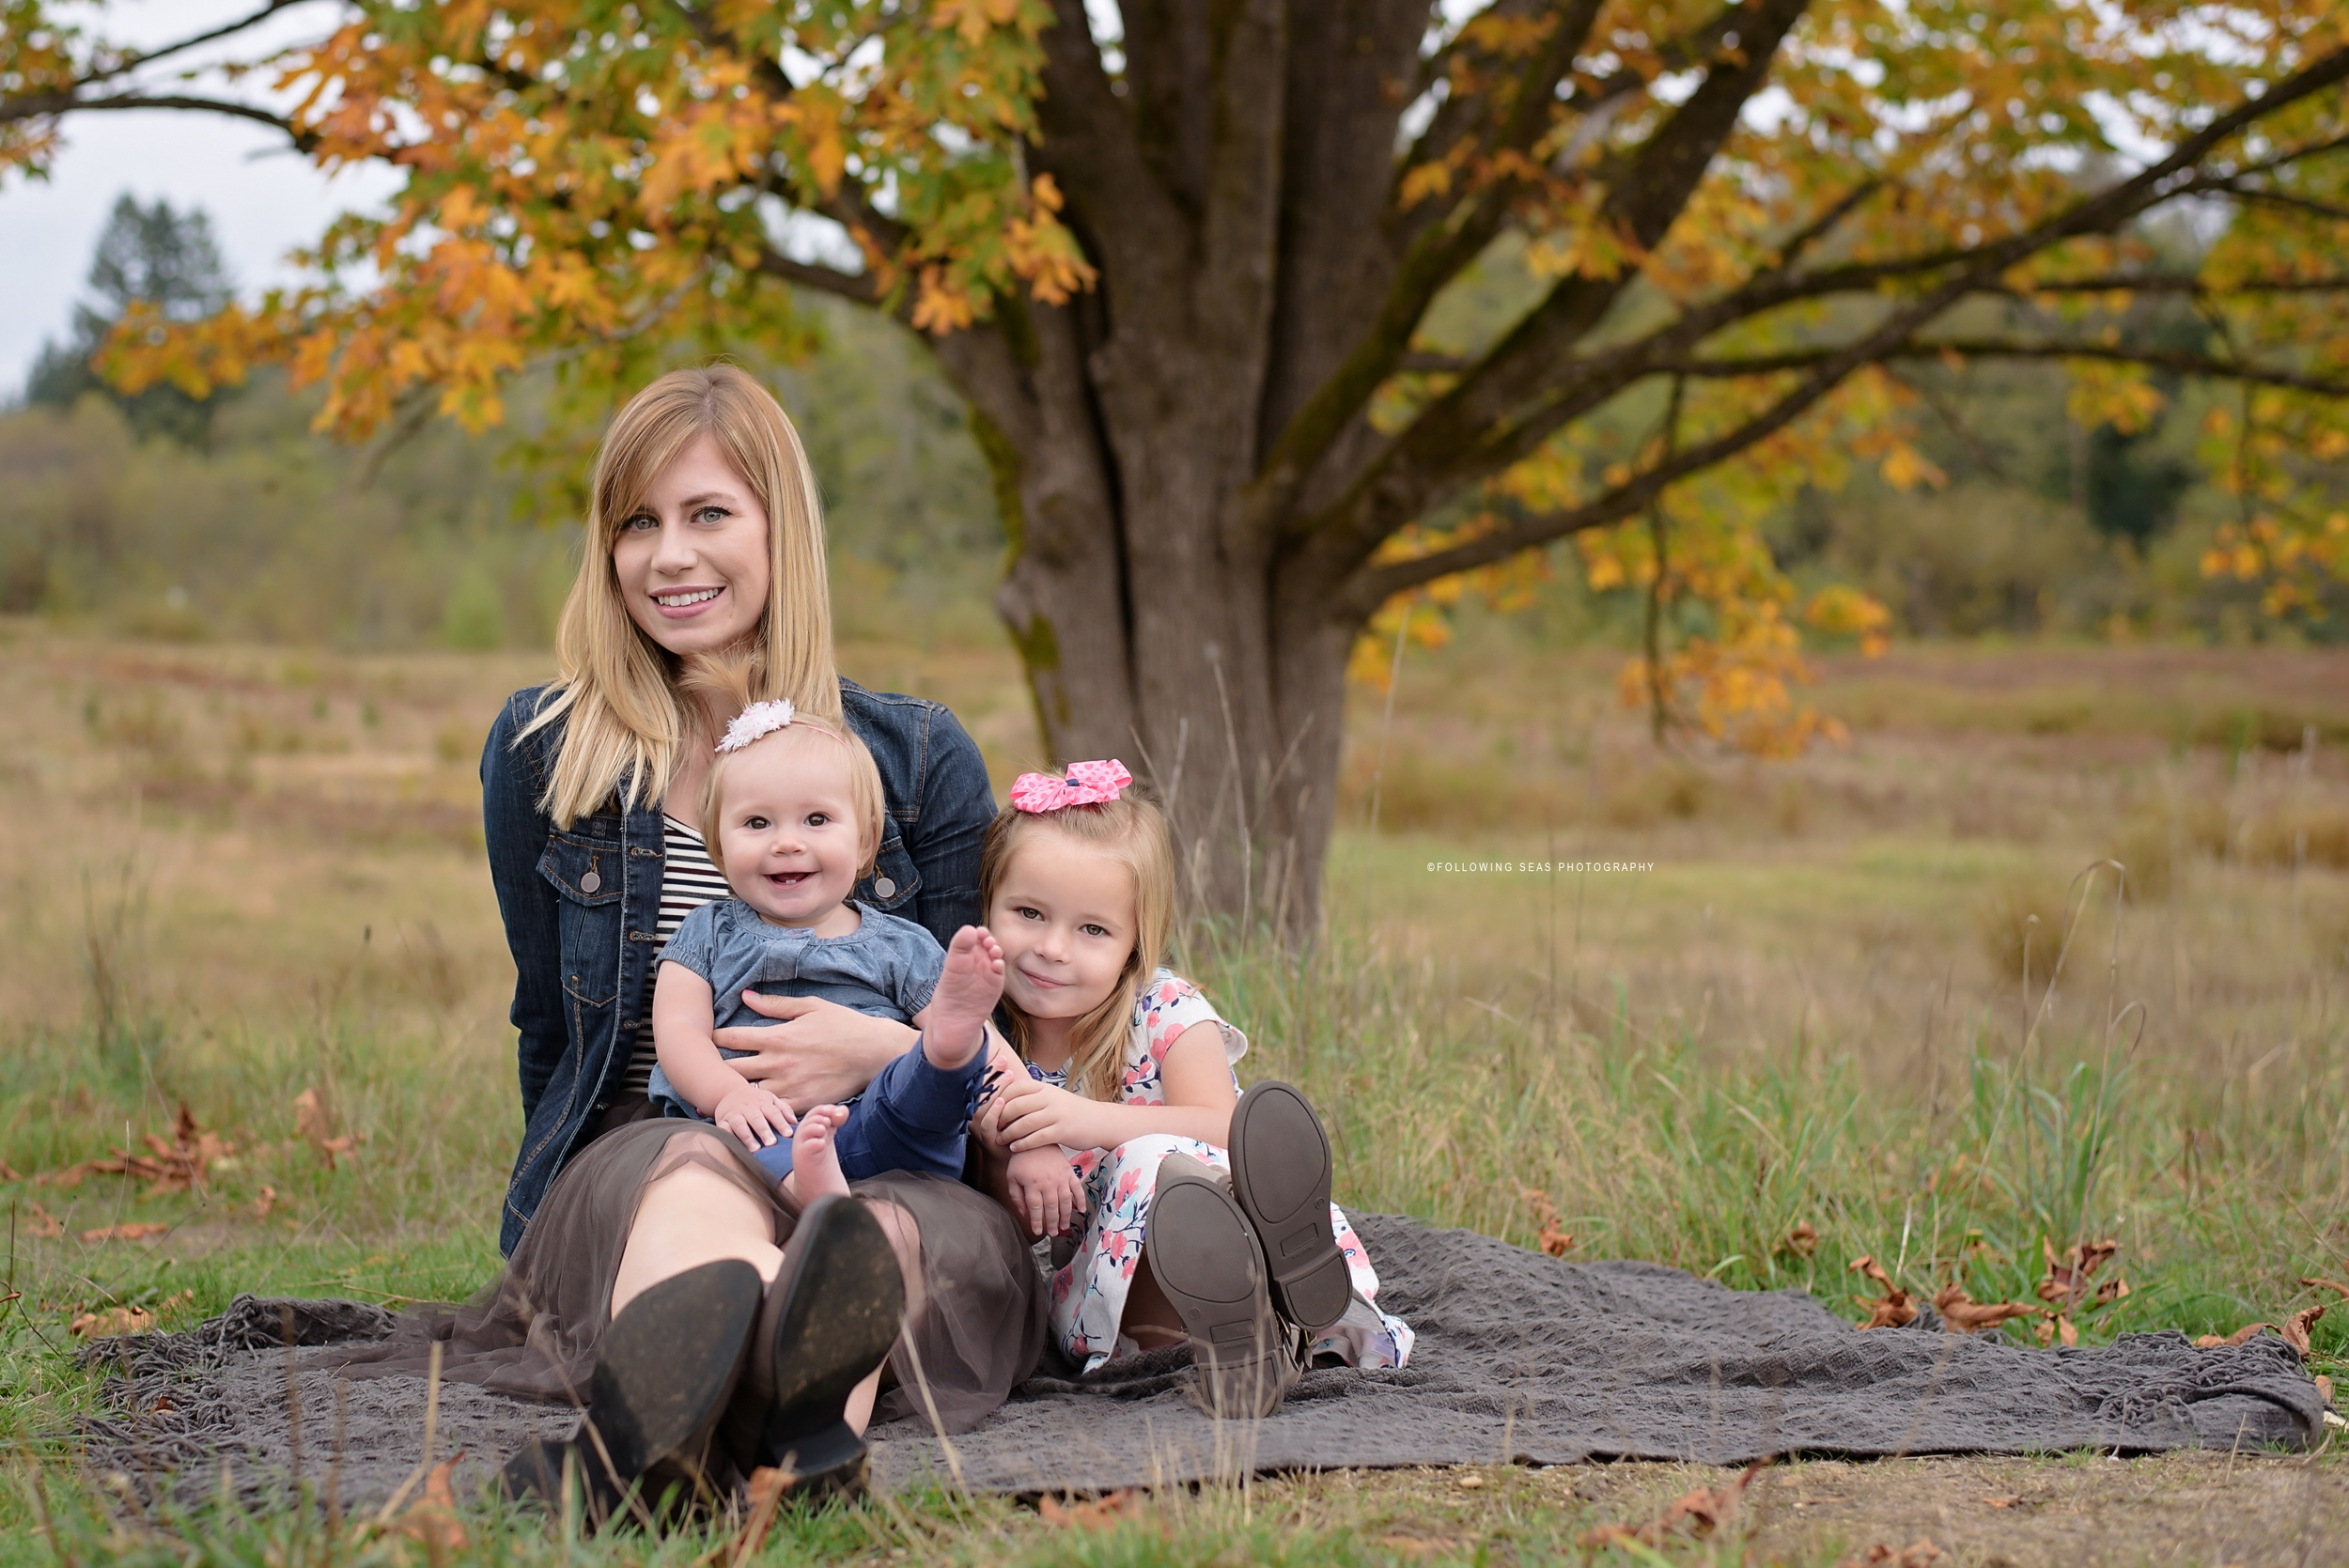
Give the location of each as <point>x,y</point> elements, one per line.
<point>822,1053</point>
<point>1045,1190</point>
<point>755,1115</point>
<point>1037,1115</point>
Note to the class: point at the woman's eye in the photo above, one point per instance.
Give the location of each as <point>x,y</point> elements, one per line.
<point>712,514</point>
<point>640,522</point>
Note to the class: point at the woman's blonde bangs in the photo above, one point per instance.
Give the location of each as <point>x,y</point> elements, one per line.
<point>626,718</point>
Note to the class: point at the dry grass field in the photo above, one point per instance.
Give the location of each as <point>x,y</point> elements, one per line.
<point>1682,1003</point>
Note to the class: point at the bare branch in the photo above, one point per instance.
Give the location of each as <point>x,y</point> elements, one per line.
<point>861,288</point>
<point>37,104</point>
<point>133,61</point>
<point>2285,199</point>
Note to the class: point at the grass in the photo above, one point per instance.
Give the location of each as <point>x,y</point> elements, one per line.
<point>248,880</point>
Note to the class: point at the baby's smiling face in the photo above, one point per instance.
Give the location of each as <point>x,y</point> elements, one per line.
<point>789,830</point>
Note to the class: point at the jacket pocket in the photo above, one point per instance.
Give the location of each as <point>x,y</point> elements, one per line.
<point>585,872</point>
<point>895,879</point>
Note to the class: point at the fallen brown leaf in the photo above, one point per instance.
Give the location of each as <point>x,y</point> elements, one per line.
<point>2295,1329</point>
<point>1802,1240</point>
<point>113,1321</point>
<point>2003,1502</point>
<point>172,1167</point>
<point>314,1123</point>
<point>8,1173</point>
<point>1695,1514</point>
<point>2068,1275</point>
<point>1557,1243</point>
<point>266,1201</point>
<point>40,1222</point>
<point>134,1230</point>
<point>1962,1314</point>
<point>1894,1309</point>
<point>1102,1513</point>
<point>2240,1336</point>
<point>432,1519</point>
<point>2324,1387</point>
<point>766,1486</point>
<point>1920,1553</point>
<point>2312,1285</point>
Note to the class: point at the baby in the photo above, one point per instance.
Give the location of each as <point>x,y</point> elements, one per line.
<point>791,816</point>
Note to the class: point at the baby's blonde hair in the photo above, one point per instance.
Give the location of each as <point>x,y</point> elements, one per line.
<point>734,679</point>
<point>1133,830</point>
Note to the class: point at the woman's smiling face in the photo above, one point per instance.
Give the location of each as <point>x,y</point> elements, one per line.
<point>693,560</point>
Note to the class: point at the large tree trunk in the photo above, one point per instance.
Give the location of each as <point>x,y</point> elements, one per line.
<point>1125,431</point>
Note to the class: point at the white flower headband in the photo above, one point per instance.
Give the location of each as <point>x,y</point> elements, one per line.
<point>757,720</point>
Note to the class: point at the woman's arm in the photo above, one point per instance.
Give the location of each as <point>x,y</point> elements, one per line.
<point>682,1008</point>
<point>514,832</point>
<point>1198,1100</point>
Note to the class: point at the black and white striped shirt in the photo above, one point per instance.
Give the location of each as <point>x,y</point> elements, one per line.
<point>688,882</point>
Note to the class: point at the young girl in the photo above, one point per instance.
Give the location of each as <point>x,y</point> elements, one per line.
<point>1127,1064</point>
<point>792,817</point>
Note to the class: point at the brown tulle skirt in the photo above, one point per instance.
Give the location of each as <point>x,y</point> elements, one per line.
<point>977,1327</point>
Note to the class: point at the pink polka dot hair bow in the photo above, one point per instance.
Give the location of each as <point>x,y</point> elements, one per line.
<point>1089,784</point>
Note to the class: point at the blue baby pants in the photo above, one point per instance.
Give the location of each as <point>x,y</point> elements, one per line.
<point>912,1117</point>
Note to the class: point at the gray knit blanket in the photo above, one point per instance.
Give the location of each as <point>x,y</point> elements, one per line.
<point>1521,1358</point>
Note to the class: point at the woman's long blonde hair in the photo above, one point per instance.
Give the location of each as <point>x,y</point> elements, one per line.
<point>1131,830</point>
<point>619,696</point>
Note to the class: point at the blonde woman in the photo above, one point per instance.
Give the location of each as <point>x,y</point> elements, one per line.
<point>627,1234</point>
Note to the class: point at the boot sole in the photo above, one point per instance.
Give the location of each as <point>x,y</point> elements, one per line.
<point>666,1367</point>
<point>1204,1258</point>
<point>843,1302</point>
<point>1280,1173</point>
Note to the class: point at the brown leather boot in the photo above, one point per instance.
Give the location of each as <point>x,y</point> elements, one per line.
<point>1200,1248</point>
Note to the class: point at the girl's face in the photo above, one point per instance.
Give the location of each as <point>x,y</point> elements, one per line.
<point>789,833</point>
<point>692,559</point>
<point>1065,913</point>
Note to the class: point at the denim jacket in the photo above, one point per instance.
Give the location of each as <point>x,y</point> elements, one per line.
<point>580,904</point>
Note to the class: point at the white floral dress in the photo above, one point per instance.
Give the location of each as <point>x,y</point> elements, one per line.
<point>1089,1293</point>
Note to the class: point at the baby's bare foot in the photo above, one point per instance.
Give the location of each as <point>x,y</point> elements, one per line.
<point>955,1026</point>
<point>814,1162</point>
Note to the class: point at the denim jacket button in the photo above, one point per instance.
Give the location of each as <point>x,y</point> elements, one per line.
<point>590,882</point>
<point>884,886</point>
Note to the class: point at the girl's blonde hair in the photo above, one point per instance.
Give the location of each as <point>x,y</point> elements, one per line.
<point>619,693</point>
<point>731,680</point>
<point>1133,830</point>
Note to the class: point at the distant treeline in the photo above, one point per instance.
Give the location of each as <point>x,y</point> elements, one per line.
<point>160,515</point>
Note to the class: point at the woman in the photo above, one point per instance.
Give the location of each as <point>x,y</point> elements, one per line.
<point>705,536</point>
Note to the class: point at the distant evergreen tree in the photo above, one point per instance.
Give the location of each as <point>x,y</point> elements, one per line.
<point>153,254</point>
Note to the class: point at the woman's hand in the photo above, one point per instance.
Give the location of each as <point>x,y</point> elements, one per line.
<point>755,1116</point>
<point>1045,1189</point>
<point>1035,1115</point>
<point>823,1052</point>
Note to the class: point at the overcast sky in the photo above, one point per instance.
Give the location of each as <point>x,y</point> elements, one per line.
<point>263,200</point>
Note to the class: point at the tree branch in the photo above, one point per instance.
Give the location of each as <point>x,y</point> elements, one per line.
<point>2182,362</point>
<point>37,104</point>
<point>133,61</point>
<point>1441,448</point>
<point>861,288</point>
